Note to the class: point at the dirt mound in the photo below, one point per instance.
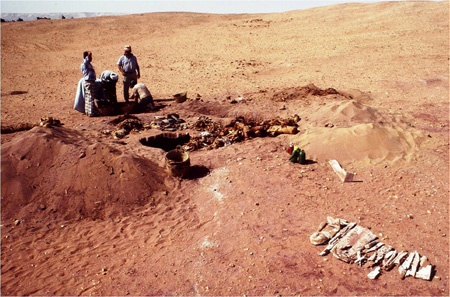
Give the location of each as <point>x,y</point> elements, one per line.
<point>303,92</point>
<point>347,114</point>
<point>57,173</point>
<point>351,131</point>
<point>372,143</point>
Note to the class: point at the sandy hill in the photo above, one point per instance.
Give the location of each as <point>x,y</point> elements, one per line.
<point>86,214</point>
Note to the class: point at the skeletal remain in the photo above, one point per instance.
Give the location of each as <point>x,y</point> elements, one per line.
<point>381,252</point>
<point>371,244</point>
<point>327,230</point>
<point>374,274</point>
<point>321,226</point>
<point>400,257</point>
<point>375,247</point>
<point>414,265</point>
<point>318,238</point>
<point>372,257</point>
<point>361,259</point>
<point>425,272</point>
<point>388,261</point>
<point>352,242</point>
<point>405,265</point>
<point>333,241</point>
<point>423,260</point>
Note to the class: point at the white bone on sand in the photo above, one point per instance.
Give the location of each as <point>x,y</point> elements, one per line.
<point>341,173</point>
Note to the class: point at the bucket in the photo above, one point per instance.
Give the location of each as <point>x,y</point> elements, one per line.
<point>177,162</point>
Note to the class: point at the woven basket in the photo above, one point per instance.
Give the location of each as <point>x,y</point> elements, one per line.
<point>177,162</point>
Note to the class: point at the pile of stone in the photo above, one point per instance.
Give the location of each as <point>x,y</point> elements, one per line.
<point>352,243</point>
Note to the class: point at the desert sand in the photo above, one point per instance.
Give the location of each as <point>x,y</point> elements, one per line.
<point>83,213</point>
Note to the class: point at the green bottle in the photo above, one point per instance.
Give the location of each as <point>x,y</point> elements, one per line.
<point>302,157</point>
<point>294,156</point>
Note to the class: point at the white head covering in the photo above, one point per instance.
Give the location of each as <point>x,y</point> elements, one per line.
<point>109,75</point>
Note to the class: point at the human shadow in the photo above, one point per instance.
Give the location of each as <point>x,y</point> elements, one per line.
<point>196,172</point>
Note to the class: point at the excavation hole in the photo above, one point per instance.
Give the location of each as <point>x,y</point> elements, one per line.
<point>166,141</point>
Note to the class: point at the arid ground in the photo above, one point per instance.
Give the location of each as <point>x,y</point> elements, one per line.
<point>83,213</point>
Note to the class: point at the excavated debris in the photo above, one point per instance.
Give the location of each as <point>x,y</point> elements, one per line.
<point>44,122</point>
<point>170,123</point>
<point>352,243</point>
<point>303,92</point>
<point>124,125</point>
<point>214,135</point>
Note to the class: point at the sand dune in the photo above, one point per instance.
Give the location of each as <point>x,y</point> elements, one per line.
<point>86,214</point>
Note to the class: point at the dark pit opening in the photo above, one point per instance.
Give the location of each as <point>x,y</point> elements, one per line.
<point>166,141</point>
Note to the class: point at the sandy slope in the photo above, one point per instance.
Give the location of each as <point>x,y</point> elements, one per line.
<point>102,217</point>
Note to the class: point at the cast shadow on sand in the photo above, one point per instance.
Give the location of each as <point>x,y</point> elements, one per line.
<point>196,172</point>
<point>310,162</point>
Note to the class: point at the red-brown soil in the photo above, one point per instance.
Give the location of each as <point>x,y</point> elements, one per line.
<point>83,213</point>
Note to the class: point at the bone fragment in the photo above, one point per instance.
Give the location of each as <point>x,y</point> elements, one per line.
<point>424,261</point>
<point>405,265</point>
<point>388,261</point>
<point>375,247</point>
<point>374,274</point>
<point>372,257</point>
<point>318,238</point>
<point>381,252</point>
<point>333,241</point>
<point>360,259</point>
<point>414,265</point>
<point>371,244</point>
<point>400,257</point>
<point>425,272</point>
<point>341,173</point>
<point>327,230</point>
<point>321,226</point>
